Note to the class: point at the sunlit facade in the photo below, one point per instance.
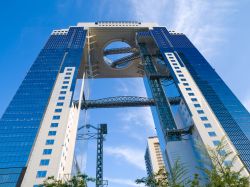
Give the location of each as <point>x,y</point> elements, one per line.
<point>153,156</point>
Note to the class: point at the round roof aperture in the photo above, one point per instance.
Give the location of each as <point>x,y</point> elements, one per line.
<point>119,54</point>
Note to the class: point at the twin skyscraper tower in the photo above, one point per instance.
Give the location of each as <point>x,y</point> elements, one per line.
<point>189,101</point>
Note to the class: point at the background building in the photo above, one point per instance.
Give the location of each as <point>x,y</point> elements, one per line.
<point>189,101</point>
<point>153,156</point>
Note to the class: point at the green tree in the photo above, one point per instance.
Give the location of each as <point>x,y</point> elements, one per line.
<point>163,179</point>
<point>218,166</point>
<point>157,179</point>
<point>80,180</point>
<point>219,169</point>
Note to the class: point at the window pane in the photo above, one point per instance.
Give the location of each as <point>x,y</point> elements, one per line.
<point>56,117</point>
<point>49,142</point>
<point>197,105</point>
<point>61,98</point>
<point>212,134</point>
<point>216,142</point>
<point>200,111</point>
<point>59,104</point>
<point>41,174</point>
<point>54,125</point>
<point>58,110</point>
<point>203,118</point>
<point>52,133</point>
<point>207,125</point>
<point>44,162</point>
<point>47,151</point>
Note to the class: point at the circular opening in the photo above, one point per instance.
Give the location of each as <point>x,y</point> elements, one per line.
<point>114,52</point>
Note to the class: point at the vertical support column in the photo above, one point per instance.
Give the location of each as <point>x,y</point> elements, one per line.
<point>162,104</point>
<point>99,158</point>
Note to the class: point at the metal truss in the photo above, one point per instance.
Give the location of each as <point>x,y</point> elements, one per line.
<point>153,76</point>
<point>99,136</point>
<point>162,102</point>
<point>125,59</point>
<point>177,133</point>
<point>99,158</point>
<point>119,51</point>
<point>123,101</point>
<point>87,136</point>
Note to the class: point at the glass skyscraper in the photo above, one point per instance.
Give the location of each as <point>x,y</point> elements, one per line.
<point>39,127</point>
<point>20,124</point>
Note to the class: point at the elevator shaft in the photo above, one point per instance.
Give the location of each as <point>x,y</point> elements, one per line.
<point>161,101</point>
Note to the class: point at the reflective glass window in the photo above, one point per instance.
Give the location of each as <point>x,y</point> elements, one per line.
<point>50,142</point>
<point>200,111</point>
<point>54,125</point>
<point>58,110</point>
<point>207,125</point>
<point>52,133</point>
<point>56,117</point>
<point>216,142</point>
<point>47,151</point>
<point>212,134</point>
<point>61,98</point>
<point>197,105</point>
<point>203,118</point>
<point>194,99</point>
<point>228,163</point>
<point>59,104</point>
<point>44,162</point>
<point>41,174</point>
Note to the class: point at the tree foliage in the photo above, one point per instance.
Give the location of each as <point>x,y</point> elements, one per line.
<point>163,179</point>
<point>217,165</point>
<point>79,180</point>
<point>156,179</point>
<point>220,171</point>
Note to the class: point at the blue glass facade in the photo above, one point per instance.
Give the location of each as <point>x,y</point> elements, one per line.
<point>21,121</point>
<point>234,118</point>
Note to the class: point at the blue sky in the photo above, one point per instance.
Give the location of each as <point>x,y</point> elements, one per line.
<point>220,30</point>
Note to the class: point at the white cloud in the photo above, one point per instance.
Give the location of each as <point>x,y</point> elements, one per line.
<point>202,21</point>
<point>133,86</point>
<point>133,156</point>
<point>139,116</point>
<point>123,88</point>
<point>126,182</point>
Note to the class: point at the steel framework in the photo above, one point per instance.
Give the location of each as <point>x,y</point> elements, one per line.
<point>119,50</point>
<point>125,59</point>
<point>122,101</point>
<point>162,102</point>
<point>99,136</point>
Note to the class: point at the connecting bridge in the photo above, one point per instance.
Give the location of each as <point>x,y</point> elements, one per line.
<point>122,101</point>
